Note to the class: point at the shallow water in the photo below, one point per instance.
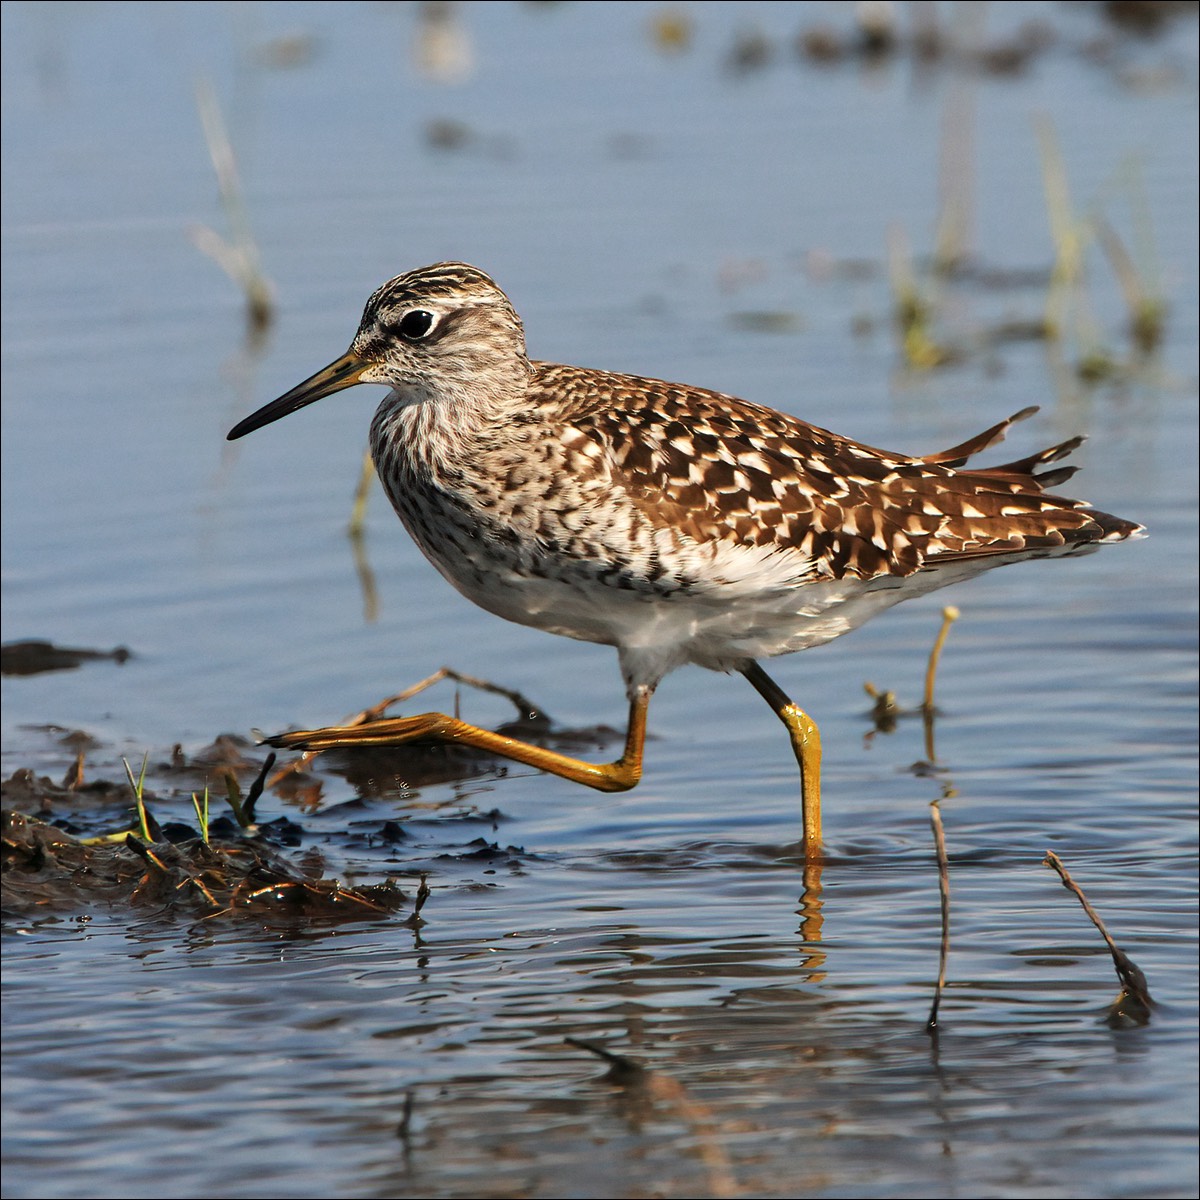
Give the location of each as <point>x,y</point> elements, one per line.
<point>646,212</point>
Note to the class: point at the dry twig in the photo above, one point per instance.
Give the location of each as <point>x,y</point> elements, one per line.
<point>1133,1003</point>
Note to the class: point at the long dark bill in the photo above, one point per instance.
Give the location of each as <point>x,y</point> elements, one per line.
<point>338,375</point>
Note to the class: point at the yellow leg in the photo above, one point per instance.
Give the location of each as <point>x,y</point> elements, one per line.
<point>806,745</point>
<point>617,776</point>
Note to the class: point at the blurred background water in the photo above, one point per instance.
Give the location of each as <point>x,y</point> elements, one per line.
<point>714,193</point>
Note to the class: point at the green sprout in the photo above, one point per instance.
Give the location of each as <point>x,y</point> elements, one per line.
<point>139,786</point>
<point>201,808</point>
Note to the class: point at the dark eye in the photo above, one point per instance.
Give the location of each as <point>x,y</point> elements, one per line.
<point>415,325</point>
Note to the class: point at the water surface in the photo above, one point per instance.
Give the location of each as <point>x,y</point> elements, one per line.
<point>650,212</point>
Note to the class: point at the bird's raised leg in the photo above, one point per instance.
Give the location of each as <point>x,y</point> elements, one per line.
<point>616,776</point>
<point>806,745</point>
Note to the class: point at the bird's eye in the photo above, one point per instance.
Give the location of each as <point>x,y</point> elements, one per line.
<point>415,325</point>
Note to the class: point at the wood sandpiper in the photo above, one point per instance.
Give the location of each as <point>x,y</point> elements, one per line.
<point>677,524</point>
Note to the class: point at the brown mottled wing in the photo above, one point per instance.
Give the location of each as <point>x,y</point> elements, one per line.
<point>714,467</point>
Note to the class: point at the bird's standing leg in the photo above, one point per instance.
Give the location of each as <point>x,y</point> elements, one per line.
<point>806,745</point>
<point>616,776</point>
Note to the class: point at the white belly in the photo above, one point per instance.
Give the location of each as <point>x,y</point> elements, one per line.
<point>755,605</point>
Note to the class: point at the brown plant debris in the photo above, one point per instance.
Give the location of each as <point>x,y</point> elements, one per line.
<point>1133,1003</point>
<point>48,870</point>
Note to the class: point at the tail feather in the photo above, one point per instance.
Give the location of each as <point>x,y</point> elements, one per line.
<point>1116,529</point>
<point>956,456</point>
<point>1024,470</point>
<point>995,511</point>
